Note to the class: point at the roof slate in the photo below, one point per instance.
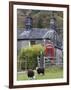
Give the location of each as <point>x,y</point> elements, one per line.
<point>37,33</point>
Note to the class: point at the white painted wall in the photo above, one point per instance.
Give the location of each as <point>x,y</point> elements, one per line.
<point>4,44</point>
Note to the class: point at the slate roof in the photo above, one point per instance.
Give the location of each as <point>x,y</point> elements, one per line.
<point>31,34</point>
<point>37,33</point>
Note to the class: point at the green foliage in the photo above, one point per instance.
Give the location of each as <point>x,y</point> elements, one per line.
<point>40,18</point>
<point>39,24</point>
<point>30,54</point>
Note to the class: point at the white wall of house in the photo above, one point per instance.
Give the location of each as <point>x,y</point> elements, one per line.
<point>22,44</point>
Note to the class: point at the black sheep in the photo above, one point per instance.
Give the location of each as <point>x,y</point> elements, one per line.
<point>40,71</point>
<point>30,74</point>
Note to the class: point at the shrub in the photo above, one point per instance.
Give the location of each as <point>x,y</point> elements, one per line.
<point>29,54</point>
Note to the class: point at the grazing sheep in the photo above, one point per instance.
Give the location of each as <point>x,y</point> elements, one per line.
<point>30,74</point>
<point>40,71</point>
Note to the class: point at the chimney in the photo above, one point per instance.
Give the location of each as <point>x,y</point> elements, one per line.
<point>52,21</point>
<point>28,23</point>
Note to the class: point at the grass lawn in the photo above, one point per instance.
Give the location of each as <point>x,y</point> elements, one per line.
<point>50,73</point>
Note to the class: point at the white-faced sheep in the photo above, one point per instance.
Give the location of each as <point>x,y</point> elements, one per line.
<point>40,71</point>
<point>30,74</point>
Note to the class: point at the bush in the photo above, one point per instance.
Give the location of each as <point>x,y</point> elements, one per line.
<point>30,55</point>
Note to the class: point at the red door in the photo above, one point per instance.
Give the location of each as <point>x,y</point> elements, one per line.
<point>50,52</point>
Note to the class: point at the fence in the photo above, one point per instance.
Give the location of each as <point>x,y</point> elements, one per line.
<point>47,61</point>
<point>24,64</point>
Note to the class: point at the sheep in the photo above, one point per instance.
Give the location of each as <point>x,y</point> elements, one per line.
<point>30,74</point>
<point>40,71</point>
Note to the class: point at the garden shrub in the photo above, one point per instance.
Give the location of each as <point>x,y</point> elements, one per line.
<point>30,55</point>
